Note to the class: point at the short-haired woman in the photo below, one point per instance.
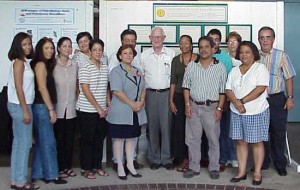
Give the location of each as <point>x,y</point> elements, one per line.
<point>246,90</point>
<point>91,111</point>
<point>127,109</point>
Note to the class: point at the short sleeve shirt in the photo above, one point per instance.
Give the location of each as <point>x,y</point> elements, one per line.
<point>242,85</point>
<point>97,79</point>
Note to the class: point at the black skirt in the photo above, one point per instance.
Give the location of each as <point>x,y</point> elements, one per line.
<point>126,131</point>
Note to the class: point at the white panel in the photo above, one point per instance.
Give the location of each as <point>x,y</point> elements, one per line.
<point>11,23</point>
<point>116,15</point>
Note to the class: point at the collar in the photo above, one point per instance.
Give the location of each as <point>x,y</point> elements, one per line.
<point>265,54</point>
<point>163,50</point>
<point>67,65</point>
<point>218,51</point>
<point>130,77</point>
<point>215,61</point>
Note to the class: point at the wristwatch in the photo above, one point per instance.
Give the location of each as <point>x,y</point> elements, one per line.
<point>290,96</point>
<point>242,101</point>
<point>219,108</point>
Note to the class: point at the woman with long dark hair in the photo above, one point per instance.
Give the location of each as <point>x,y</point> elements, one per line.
<point>20,99</point>
<point>44,165</point>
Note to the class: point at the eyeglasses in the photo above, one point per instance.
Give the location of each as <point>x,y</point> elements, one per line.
<point>265,38</point>
<point>157,37</point>
<point>233,42</point>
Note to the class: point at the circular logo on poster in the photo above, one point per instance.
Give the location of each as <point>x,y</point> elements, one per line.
<point>160,13</point>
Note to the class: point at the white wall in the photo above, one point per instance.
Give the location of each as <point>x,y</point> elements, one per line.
<point>82,21</point>
<point>116,15</point>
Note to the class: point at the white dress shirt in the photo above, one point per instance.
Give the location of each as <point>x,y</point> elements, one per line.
<point>157,68</point>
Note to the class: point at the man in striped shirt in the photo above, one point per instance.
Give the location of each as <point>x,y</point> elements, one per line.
<point>204,96</point>
<point>281,79</point>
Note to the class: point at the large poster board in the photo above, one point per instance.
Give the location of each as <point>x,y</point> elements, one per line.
<point>52,19</point>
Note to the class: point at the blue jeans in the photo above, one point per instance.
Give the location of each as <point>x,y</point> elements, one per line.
<point>21,144</point>
<point>44,163</point>
<point>227,145</point>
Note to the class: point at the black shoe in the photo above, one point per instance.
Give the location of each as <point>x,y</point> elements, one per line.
<point>190,173</point>
<point>169,166</point>
<point>137,165</point>
<point>56,181</point>
<point>254,182</point>
<point>123,177</point>
<point>238,179</point>
<point>282,172</point>
<point>135,175</point>
<point>214,174</point>
<point>154,166</point>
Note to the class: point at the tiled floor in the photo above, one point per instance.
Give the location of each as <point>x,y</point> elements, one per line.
<point>169,186</point>
<point>163,179</point>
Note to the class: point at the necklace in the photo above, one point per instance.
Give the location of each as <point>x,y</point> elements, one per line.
<point>189,59</point>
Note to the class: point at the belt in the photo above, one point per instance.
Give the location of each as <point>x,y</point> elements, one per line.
<point>275,94</point>
<point>207,102</point>
<point>158,90</point>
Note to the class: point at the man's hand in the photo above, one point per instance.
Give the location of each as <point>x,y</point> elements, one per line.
<point>289,104</point>
<point>218,115</point>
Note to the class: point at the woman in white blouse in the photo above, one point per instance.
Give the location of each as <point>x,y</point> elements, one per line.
<point>246,90</point>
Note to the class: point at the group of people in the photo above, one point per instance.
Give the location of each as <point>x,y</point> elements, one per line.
<point>253,82</point>
<point>197,106</point>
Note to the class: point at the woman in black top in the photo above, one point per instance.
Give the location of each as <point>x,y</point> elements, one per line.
<point>44,164</point>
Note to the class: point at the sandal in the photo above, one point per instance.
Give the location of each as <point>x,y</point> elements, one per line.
<point>63,174</point>
<point>184,166</point>
<point>70,173</point>
<point>88,174</point>
<point>101,172</point>
<point>28,186</point>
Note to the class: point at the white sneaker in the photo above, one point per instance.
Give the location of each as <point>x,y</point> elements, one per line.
<point>234,164</point>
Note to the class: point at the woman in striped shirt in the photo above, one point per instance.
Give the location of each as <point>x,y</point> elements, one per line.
<point>91,111</point>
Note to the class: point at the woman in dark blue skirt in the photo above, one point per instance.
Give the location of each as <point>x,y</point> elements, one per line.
<point>127,111</point>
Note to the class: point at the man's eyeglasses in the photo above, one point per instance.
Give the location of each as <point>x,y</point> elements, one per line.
<point>265,38</point>
<point>157,37</point>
